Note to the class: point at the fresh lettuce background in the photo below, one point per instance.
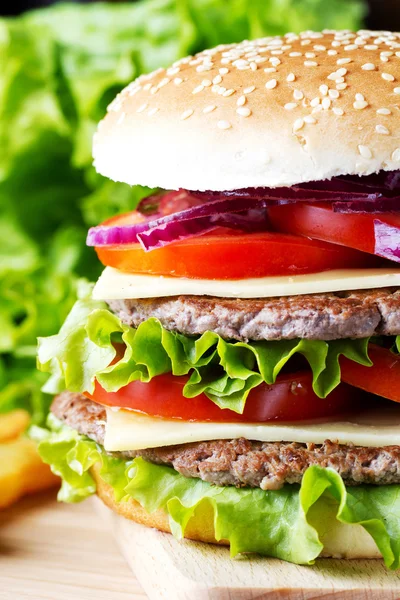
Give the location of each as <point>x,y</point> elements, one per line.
<point>59,68</point>
<point>287,523</point>
<point>225,371</point>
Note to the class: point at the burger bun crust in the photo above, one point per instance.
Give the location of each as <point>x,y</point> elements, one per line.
<point>273,112</point>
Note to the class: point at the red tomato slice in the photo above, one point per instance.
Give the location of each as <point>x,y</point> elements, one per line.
<point>225,254</point>
<point>320,222</point>
<point>382,379</point>
<point>291,398</point>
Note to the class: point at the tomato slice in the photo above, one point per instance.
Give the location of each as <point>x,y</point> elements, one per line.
<point>318,221</point>
<point>382,378</point>
<point>226,254</point>
<point>291,398</point>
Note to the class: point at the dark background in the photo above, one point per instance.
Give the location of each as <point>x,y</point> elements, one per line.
<point>383,14</point>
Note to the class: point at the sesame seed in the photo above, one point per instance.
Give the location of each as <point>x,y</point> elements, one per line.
<point>240,63</point>
<point>178,81</point>
<point>294,54</point>
<point>147,86</point>
<point>224,125</point>
<point>298,124</point>
<point>221,90</point>
<point>243,111</point>
<point>290,105</point>
<point>317,109</point>
<point>359,97</point>
<point>249,89</point>
<point>206,82</point>
<point>396,155</point>
<point>217,79</point>
<point>341,72</point>
<point>360,104</point>
<point>141,108</point>
<point>397,90</point>
<point>382,129</point>
<point>319,48</point>
<point>323,89</point>
<point>271,84</point>
<point>223,71</point>
<point>338,111</point>
<point>185,115</point>
<point>314,102</point>
<point>310,55</point>
<point>326,103</point>
<point>384,59</point>
<point>368,67</point>
<point>173,70</point>
<point>332,52</point>
<point>364,151</point>
<point>310,63</point>
<point>398,54</point>
<point>163,82</point>
<point>339,80</point>
<point>253,66</point>
<point>298,95</point>
<point>387,77</point>
<point>291,77</point>
<point>275,61</point>
<point>341,86</point>
<point>334,94</point>
<point>351,47</point>
<point>383,111</point>
<point>371,47</point>
<point>241,101</point>
<point>309,119</point>
<point>121,118</point>
<point>198,89</point>
<point>229,92</point>
<point>209,108</point>
<point>343,61</point>
<point>270,70</point>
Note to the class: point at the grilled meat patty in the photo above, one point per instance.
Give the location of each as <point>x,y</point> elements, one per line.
<point>330,316</point>
<point>242,462</point>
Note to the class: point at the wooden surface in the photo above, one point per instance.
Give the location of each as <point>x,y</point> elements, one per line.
<point>51,551</point>
<point>171,570</point>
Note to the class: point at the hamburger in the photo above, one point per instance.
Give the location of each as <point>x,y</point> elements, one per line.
<point>234,374</point>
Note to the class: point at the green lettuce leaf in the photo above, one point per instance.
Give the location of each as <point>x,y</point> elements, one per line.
<point>287,523</point>
<point>225,371</point>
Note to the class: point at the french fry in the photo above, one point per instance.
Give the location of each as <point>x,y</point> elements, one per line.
<point>22,471</point>
<point>12,424</point>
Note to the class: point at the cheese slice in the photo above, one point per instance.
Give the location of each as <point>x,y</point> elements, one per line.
<point>116,285</point>
<point>128,430</point>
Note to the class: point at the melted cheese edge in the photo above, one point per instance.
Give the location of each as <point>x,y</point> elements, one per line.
<point>129,430</point>
<point>116,285</point>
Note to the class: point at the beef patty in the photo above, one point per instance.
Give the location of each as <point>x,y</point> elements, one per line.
<point>357,314</point>
<point>242,462</point>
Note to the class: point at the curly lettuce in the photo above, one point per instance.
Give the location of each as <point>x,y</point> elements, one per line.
<point>287,523</point>
<point>84,350</point>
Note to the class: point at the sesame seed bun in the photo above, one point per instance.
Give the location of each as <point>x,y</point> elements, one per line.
<point>344,541</point>
<point>272,112</point>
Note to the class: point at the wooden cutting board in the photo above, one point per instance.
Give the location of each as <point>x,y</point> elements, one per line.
<point>53,551</point>
<point>172,570</point>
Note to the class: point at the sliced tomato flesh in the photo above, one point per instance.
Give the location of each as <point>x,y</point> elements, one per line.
<point>382,378</point>
<point>227,254</point>
<point>320,222</point>
<point>291,398</point>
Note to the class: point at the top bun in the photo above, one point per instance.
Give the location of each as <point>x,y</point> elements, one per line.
<point>272,112</point>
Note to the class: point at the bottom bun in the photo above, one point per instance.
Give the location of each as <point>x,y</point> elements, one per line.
<point>341,541</point>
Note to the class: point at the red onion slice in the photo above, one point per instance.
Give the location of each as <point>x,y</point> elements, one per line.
<point>382,205</point>
<point>387,240</point>
<point>154,233</point>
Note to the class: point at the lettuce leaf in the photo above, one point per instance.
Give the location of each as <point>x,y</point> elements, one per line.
<point>225,371</point>
<point>286,524</point>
